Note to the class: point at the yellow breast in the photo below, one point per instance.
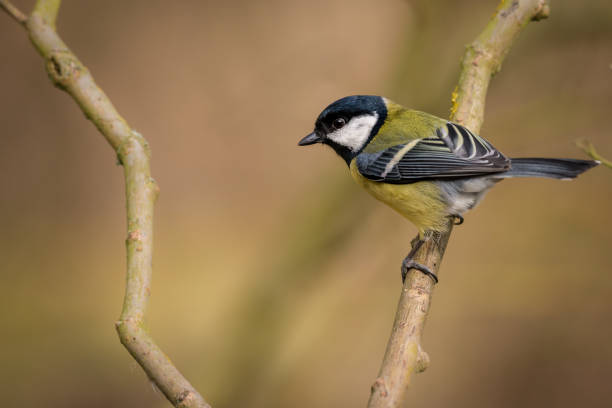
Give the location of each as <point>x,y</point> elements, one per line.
<point>420,202</point>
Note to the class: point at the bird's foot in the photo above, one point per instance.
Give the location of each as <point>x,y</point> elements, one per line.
<point>457,219</point>
<point>409,263</point>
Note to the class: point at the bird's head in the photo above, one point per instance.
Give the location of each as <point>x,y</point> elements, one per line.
<point>348,124</point>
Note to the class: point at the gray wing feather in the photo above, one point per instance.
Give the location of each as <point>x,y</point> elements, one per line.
<point>455,152</point>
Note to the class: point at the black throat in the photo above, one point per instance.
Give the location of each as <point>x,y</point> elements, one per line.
<point>342,151</point>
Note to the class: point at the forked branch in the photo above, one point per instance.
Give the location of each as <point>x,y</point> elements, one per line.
<point>68,73</point>
<point>483,58</point>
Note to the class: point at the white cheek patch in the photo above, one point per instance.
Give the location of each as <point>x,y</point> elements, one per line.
<point>356,132</point>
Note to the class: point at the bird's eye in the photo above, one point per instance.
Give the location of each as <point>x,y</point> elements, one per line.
<point>338,123</point>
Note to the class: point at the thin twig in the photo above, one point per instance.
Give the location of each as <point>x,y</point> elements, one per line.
<point>483,58</point>
<point>589,149</point>
<point>68,73</point>
<point>13,11</point>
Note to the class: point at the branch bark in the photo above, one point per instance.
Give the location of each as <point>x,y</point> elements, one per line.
<point>69,74</point>
<point>483,58</point>
<point>13,12</point>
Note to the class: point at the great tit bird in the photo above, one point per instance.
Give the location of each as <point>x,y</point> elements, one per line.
<point>426,168</point>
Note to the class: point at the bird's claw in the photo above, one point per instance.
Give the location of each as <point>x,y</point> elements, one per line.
<point>457,219</point>
<point>409,263</point>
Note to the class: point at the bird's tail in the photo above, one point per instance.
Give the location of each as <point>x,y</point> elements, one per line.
<point>563,169</point>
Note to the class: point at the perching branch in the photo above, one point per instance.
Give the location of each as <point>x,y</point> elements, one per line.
<point>68,73</point>
<point>483,58</point>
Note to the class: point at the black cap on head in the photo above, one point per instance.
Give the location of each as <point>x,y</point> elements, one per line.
<point>340,113</point>
<point>351,106</point>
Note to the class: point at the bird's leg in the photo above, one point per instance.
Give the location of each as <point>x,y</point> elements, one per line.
<point>457,219</point>
<point>409,263</point>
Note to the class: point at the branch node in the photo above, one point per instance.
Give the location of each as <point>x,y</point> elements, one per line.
<point>134,236</point>
<point>63,68</point>
<point>423,361</point>
<point>143,142</point>
<point>379,387</point>
<point>542,12</point>
<point>184,396</point>
<point>123,150</point>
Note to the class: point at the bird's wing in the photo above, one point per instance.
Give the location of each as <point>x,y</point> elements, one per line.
<point>454,152</point>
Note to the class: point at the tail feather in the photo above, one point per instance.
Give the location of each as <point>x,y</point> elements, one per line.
<point>552,168</point>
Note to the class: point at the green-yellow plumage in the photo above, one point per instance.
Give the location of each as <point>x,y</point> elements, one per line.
<point>419,202</point>
<point>424,167</point>
<point>402,125</point>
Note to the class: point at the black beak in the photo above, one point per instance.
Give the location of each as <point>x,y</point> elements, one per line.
<point>310,139</point>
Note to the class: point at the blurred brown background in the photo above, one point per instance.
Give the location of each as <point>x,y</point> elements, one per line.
<point>276,278</point>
